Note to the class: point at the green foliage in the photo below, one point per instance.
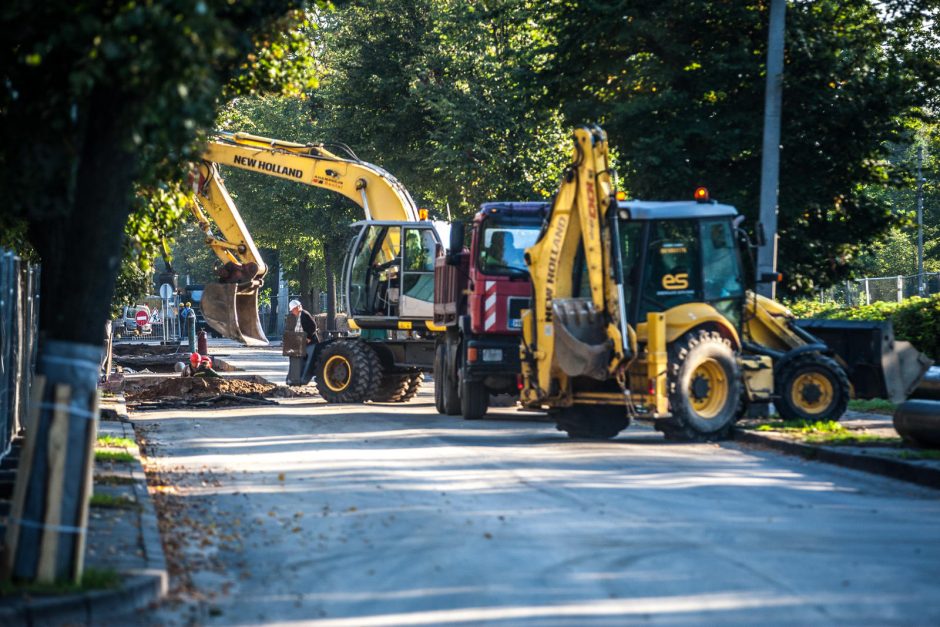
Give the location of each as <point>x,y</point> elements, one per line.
<point>111,501</point>
<point>803,426</point>
<point>112,441</point>
<point>679,87</point>
<point>916,319</point>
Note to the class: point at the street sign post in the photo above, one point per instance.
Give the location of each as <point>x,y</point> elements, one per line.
<point>166,293</point>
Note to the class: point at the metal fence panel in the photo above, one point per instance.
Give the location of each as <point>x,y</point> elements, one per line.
<point>19,323</point>
<point>890,289</point>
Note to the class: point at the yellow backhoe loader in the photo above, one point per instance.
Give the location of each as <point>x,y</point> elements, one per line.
<point>639,310</point>
<point>388,274</point>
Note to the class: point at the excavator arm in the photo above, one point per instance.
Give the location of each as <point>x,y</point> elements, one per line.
<point>567,334</point>
<point>231,305</point>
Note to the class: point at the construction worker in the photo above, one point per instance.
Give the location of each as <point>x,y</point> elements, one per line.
<point>184,319</point>
<point>304,322</point>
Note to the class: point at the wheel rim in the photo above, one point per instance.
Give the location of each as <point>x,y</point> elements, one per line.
<point>812,393</point>
<point>708,389</point>
<point>337,373</point>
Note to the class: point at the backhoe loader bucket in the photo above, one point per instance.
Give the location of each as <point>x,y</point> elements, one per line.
<point>877,365</point>
<point>233,312</point>
<point>581,344</point>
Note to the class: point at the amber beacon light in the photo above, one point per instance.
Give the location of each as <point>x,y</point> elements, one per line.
<point>701,194</point>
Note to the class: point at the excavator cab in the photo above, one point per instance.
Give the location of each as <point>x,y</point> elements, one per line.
<point>389,273</point>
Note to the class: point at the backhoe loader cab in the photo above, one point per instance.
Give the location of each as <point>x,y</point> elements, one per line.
<point>674,253</point>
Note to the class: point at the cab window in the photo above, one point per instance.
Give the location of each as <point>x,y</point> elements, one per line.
<point>721,268</point>
<point>672,274</point>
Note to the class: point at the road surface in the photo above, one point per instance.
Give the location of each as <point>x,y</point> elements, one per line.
<point>373,515</point>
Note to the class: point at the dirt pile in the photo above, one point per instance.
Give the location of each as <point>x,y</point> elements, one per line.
<point>202,391</point>
<point>138,350</point>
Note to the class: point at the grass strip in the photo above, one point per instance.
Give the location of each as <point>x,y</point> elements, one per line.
<point>112,442</point>
<point>106,455</point>
<point>92,579</point>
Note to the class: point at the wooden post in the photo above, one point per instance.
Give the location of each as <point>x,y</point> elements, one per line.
<point>87,487</point>
<point>22,477</point>
<point>58,438</point>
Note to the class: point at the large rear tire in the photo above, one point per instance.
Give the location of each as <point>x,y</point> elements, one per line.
<point>591,422</point>
<point>474,400</point>
<point>704,388</point>
<point>811,387</point>
<point>348,371</point>
<point>446,398</point>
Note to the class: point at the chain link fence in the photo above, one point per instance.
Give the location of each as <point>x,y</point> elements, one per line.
<point>882,289</point>
<point>19,327</point>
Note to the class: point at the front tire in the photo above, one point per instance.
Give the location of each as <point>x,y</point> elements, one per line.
<point>811,387</point>
<point>348,371</point>
<point>704,388</point>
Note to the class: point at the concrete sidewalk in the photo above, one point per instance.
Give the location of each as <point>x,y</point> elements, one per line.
<point>124,547</point>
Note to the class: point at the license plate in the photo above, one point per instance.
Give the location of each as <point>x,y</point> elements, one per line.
<point>492,354</point>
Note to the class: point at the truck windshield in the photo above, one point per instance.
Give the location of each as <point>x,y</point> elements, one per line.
<point>503,244</point>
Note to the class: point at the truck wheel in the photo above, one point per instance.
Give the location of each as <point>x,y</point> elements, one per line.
<point>391,388</point>
<point>704,388</point>
<point>412,387</point>
<point>348,371</point>
<point>446,399</point>
<point>474,400</point>
<point>591,422</point>
<point>811,387</point>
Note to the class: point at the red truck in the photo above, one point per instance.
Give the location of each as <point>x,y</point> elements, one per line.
<point>479,295</point>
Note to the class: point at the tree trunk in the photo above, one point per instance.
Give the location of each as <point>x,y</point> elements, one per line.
<point>303,277</point>
<point>80,249</point>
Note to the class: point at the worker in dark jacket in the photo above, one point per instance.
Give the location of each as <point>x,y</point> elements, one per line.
<point>303,321</point>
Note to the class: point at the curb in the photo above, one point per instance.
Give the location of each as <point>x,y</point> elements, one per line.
<point>138,588</point>
<point>892,468</point>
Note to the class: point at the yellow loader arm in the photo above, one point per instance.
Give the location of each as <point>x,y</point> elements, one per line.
<point>566,336</point>
<point>231,306</point>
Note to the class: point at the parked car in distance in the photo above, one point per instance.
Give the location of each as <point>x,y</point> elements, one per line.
<point>129,321</point>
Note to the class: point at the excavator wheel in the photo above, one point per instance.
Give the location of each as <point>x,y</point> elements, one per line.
<point>811,387</point>
<point>446,398</point>
<point>392,388</point>
<point>704,388</point>
<point>348,371</point>
<point>591,422</point>
<point>414,384</point>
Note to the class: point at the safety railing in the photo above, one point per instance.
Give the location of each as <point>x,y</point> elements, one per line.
<point>19,327</point>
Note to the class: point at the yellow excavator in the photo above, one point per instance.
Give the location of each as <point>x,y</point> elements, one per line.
<point>388,273</point>
<point>640,310</point>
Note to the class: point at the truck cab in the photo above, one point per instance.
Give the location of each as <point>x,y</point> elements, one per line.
<point>480,293</point>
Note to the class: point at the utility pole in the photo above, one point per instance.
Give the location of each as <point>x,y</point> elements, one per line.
<point>770,156</point>
<point>920,221</point>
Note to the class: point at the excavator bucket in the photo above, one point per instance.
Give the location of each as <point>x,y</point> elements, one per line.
<point>877,365</point>
<point>581,345</point>
<point>233,312</point>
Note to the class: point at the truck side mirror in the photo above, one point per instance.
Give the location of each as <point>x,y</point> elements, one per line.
<point>456,242</point>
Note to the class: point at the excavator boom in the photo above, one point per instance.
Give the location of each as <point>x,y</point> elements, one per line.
<point>231,305</point>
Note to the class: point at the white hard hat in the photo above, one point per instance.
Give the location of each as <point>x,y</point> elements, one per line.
<point>293,304</point>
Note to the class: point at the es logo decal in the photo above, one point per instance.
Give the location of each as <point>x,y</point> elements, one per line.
<point>678,281</point>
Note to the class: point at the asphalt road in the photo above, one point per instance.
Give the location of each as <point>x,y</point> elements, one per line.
<point>390,514</point>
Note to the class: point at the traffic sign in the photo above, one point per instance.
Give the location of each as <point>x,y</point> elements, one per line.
<point>141,318</point>
<point>166,291</point>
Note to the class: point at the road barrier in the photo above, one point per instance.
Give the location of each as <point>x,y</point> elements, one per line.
<point>869,290</point>
<point>19,327</point>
